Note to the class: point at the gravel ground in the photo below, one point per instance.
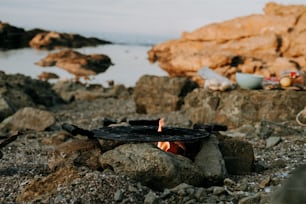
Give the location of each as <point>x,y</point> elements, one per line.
<point>26,158</point>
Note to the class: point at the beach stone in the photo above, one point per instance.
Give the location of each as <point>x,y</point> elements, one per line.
<point>272,141</point>
<point>5,108</point>
<point>211,162</point>
<point>151,166</point>
<point>250,200</point>
<point>53,40</point>
<point>154,94</point>
<point>18,91</point>
<point>46,76</point>
<point>29,118</point>
<point>76,63</point>
<point>238,155</point>
<point>151,198</point>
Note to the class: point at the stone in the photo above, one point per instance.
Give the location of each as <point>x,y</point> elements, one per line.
<point>29,118</point>
<point>54,40</point>
<point>272,141</point>
<point>238,155</point>
<point>211,162</point>
<point>218,190</point>
<point>154,94</point>
<point>76,63</point>
<point>265,182</point>
<point>5,108</point>
<point>254,199</point>
<point>241,107</point>
<point>18,91</point>
<point>151,166</point>
<point>151,198</point>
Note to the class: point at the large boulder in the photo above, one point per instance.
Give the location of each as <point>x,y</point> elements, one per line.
<point>151,166</point>
<point>154,94</point>
<point>18,91</point>
<point>76,63</point>
<point>252,44</point>
<point>239,107</point>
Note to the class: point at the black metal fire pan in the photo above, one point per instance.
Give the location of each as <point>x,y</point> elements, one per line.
<point>140,133</point>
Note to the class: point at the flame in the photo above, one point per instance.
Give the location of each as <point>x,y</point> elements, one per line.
<point>173,147</point>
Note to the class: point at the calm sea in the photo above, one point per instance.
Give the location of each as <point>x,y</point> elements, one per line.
<point>134,25</point>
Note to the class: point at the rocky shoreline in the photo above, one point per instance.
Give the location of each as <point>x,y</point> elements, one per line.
<point>27,176</point>
<point>74,142</point>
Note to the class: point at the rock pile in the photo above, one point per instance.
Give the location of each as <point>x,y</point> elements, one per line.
<point>263,44</point>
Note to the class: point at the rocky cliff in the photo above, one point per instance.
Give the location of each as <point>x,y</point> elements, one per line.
<point>264,44</point>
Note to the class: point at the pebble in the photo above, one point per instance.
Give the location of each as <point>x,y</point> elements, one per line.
<point>151,198</point>
<point>218,190</point>
<point>118,196</point>
<point>229,182</point>
<point>272,141</point>
<point>265,182</point>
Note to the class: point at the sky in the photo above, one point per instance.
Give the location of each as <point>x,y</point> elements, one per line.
<point>150,17</point>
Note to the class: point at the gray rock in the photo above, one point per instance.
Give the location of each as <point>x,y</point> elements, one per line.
<point>218,190</point>
<point>272,141</point>
<point>151,198</point>
<point>239,107</point>
<point>152,166</point>
<point>250,200</point>
<point>5,108</point>
<point>29,118</point>
<point>238,155</point>
<point>118,196</point>
<point>154,94</point>
<point>210,160</point>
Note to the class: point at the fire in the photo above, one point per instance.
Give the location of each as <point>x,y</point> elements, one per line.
<point>173,147</point>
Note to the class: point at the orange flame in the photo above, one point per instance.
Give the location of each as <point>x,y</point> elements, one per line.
<point>173,147</point>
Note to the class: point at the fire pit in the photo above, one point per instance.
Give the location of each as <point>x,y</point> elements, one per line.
<point>176,140</point>
<point>140,133</point>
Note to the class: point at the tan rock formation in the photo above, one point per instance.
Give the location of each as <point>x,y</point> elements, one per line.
<point>263,44</point>
<point>77,63</point>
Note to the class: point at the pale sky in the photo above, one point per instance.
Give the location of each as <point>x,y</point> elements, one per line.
<point>156,17</point>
